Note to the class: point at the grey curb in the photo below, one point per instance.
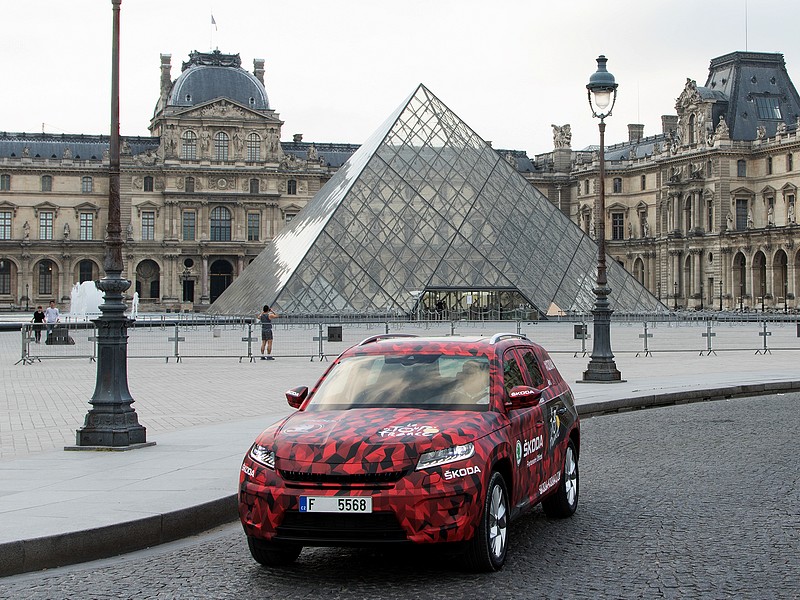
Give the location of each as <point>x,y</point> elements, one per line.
<point>104,542</point>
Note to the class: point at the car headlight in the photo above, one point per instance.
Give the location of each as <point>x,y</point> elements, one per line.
<point>443,457</point>
<point>263,455</point>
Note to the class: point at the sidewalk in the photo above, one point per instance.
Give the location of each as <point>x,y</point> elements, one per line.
<point>60,507</point>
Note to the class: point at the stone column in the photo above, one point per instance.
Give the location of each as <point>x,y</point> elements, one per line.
<point>697,272</point>
<point>204,295</point>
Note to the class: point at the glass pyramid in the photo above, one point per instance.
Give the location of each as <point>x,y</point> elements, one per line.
<point>425,208</point>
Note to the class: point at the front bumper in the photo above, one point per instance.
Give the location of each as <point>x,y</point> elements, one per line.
<point>413,506</point>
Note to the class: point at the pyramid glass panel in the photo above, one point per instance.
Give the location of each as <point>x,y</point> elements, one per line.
<point>427,205</point>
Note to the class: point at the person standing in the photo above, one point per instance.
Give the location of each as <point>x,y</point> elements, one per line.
<point>38,323</point>
<point>266,317</point>
<point>51,317</point>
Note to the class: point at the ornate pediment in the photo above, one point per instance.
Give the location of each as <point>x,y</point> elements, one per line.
<point>45,206</point>
<point>85,207</point>
<point>223,108</point>
<point>148,206</point>
<point>6,205</point>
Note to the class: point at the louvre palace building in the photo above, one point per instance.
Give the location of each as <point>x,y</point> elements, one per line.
<point>701,213</point>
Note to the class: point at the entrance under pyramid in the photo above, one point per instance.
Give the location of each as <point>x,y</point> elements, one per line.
<point>426,217</point>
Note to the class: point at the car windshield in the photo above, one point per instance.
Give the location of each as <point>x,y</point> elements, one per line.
<point>429,381</point>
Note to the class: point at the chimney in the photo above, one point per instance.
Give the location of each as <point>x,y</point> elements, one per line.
<point>297,138</point>
<point>166,77</point>
<point>635,132</point>
<point>669,124</point>
<point>258,69</point>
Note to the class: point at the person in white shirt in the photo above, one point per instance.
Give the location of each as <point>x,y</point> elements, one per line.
<point>51,317</point>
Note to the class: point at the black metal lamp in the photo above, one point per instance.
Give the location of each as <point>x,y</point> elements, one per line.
<point>602,95</point>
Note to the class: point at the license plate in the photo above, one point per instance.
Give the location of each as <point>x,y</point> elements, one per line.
<point>336,504</point>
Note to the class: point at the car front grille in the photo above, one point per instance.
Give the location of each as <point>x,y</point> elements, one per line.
<point>344,480</point>
<point>340,529</point>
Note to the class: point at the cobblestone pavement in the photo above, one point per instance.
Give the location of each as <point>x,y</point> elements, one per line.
<point>693,501</point>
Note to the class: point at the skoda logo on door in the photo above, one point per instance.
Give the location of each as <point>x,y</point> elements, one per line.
<point>519,452</point>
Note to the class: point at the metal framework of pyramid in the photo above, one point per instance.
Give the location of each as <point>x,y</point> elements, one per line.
<point>425,204</point>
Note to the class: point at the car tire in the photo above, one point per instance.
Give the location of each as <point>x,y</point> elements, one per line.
<point>272,554</point>
<point>487,550</point>
<point>563,502</point>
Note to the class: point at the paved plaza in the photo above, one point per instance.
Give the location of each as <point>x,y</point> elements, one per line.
<point>203,413</point>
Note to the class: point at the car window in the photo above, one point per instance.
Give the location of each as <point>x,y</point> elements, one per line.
<point>433,381</point>
<point>512,374</point>
<point>532,365</point>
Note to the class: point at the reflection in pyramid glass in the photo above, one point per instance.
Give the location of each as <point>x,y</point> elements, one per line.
<point>426,212</point>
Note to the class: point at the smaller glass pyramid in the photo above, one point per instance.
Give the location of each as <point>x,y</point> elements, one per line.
<point>426,210</point>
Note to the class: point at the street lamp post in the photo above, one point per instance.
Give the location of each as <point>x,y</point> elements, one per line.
<point>112,423</point>
<point>720,296</point>
<point>702,293</point>
<point>602,94</point>
<point>27,296</point>
<point>675,296</point>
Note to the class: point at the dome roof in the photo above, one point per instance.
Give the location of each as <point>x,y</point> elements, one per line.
<point>212,75</point>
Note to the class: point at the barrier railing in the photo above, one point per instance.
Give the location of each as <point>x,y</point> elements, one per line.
<point>322,339</point>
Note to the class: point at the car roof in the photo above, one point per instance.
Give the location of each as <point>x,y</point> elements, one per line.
<point>456,344</point>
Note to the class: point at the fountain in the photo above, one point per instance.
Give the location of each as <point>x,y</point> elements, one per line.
<point>84,300</point>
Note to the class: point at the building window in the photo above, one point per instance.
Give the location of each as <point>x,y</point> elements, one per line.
<point>47,183</point>
<point>789,162</point>
<point>288,218</point>
<point>708,168</point>
<point>769,108</point>
<point>5,224</point>
<point>769,165</point>
<point>46,225</point>
<point>148,184</point>
<point>220,224</point>
<point>253,226</point>
<point>617,185</point>
<point>710,216</point>
<point>86,185</point>
<point>253,147</point>
<point>188,225</point>
<point>741,214</point>
<point>148,225</point>
<point>741,168</point>
<point>189,185</point>
<point>86,226</point>
<point>617,226</point>
<point>5,277</point>
<point>189,146</point>
<point>291,187</point>
<point>644,182</point>
<point>586,187</point>
<point>254,186</point>
<point>45,278</point>
<point>221,146</point>
<point>5,183</point>
<point>85,271</point>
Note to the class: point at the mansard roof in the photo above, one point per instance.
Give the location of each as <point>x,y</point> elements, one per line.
<point>79,146</point>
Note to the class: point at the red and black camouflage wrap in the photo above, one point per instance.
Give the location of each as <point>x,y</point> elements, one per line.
<point>374,452</point>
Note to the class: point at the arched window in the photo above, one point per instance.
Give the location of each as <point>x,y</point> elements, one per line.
<point>254,186</point>
<point>638,270</point>
<point>220,224</point>
<point>46,268</point>
<point>5,182</point>
<point>87,185</point>
<point>291,187</point>
<point>221,146</point>
<point>189,146</point>
<point>5,276</point>
<point>148,183</point>
<point>617,185</point>
<point>85,271</point>
<point>148,277</point>
<point>253,147</point>
<point>740,277</point>
<point>759,276</point>
<point>741,168</point>
<point>780,274</point>
<point>189,185</point>
<point>47,183</point>
<point>691,129</point>
<point>769,165</point>
<point>789,162</point>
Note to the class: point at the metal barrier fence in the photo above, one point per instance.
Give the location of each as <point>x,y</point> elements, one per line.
<point>319,340</point>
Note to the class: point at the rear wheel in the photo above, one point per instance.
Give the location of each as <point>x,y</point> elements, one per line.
<point>487,550</point>
<point>564,501</point>
<point>272,554</point>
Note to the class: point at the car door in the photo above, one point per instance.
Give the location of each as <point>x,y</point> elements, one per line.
<point>527,433</point>
<point>557,419</point>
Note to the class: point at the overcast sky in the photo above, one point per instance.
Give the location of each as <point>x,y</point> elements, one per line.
<point>336,69</point>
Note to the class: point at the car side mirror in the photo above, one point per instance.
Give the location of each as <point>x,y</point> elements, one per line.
<point>523,396</point>
<point>295,396</point>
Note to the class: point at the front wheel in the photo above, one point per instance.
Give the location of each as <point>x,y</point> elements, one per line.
<point>487,550</point>
<point>564,501</point>
<point>272,554</point>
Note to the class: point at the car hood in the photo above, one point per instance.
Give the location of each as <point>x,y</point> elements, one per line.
<point>374,439</point>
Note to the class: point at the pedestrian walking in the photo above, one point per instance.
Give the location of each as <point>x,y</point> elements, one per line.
<point>51,317</point>
<point>266,317</point>
<point>38,323</point>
